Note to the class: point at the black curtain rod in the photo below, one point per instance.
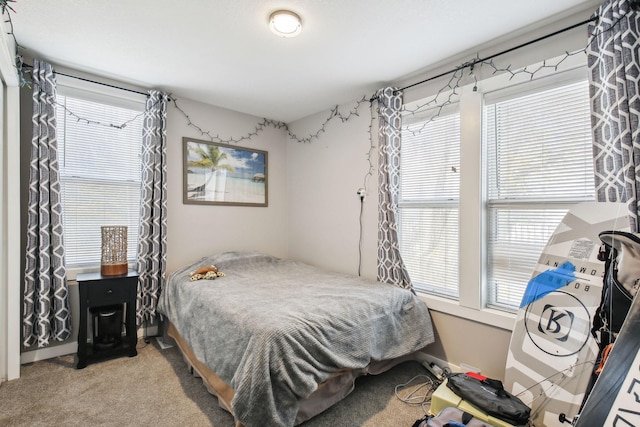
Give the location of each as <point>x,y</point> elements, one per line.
<point>478,60</point>
<point>93,81</point>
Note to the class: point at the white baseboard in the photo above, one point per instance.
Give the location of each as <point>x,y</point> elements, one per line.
<point>162,344</point>
<point>425,357</point>
<point>67,348</point>
<point>463,367</point>
<point>48,352</point>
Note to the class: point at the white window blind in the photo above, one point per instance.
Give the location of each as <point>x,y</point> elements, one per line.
<point>429,202</point>
<point>99,174</point>
<point>539,162</point>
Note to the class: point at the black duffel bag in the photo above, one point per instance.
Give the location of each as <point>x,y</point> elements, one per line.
<point>490,397</point>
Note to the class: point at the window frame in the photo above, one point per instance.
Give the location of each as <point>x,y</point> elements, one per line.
<point>96,92</point>
<point>471,303</point>
<point>562,201</point>
<point>426,203</point>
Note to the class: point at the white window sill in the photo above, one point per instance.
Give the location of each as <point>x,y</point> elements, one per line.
<point>496,318</point>
<point>72,272</point>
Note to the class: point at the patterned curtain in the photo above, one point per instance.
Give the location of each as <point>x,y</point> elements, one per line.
<point>615,104</point>
<point>153,207</point>
<point>46,312</point>
<point>391,268</point>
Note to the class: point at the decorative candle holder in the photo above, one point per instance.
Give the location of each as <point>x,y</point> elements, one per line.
<point>114,250</point>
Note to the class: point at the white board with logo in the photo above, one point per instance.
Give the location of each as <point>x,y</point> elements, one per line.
<point>552,353</point>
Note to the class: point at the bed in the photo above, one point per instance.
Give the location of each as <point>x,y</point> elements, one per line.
<point>279,341</point>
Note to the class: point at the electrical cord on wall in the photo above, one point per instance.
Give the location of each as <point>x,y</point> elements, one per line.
<point>146,333</point>
<point>360,194</point>
<point>145,338</point>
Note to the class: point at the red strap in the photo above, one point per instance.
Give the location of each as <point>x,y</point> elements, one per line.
<point>605,354</point>
<point>476,376</point>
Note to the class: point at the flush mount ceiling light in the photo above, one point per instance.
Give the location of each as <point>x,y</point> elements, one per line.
<point>285,23</point>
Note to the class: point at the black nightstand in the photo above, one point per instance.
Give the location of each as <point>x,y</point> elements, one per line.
<point>102,296</point>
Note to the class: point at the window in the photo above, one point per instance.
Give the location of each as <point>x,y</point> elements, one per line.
<point>484,185</point>
<point>99,170</point>
<point>539,163</point>
<point>429,201</point>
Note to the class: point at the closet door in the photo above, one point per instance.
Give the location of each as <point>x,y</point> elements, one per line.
<point>10,301</point>
<point>9,233</point>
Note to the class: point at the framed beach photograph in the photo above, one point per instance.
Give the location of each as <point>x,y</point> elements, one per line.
<point>222,174</point>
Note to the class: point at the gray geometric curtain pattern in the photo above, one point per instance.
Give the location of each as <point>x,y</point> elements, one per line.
<point>152,244</point>
<point>46,313</point>
<point>391,268</point>
<point>614,71</point>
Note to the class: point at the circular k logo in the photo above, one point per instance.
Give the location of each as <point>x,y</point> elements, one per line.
<point>558,324</point>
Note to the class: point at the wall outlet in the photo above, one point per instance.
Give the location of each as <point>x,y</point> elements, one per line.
<point>435,370</point>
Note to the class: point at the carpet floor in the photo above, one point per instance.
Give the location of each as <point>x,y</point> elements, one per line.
<point>155,389</point>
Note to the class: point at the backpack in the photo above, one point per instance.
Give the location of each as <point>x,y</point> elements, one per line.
<point>620,252</point>
<point>621,255</point>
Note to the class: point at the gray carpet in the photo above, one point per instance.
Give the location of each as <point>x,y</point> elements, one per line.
<point>155,389</point>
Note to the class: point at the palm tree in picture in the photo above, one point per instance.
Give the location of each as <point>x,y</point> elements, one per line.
<point>211,158</point>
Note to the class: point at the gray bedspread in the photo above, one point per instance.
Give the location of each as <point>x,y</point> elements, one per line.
<point>274,329</point>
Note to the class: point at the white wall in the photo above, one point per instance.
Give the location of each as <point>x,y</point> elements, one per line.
<point>325,174</point>
<point>324,177</point>
<point>195,231</point>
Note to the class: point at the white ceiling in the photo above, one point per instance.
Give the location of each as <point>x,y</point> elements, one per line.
<point>222,52</point>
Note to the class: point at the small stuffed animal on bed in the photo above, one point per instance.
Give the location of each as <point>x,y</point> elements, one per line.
<point>208,272</point>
